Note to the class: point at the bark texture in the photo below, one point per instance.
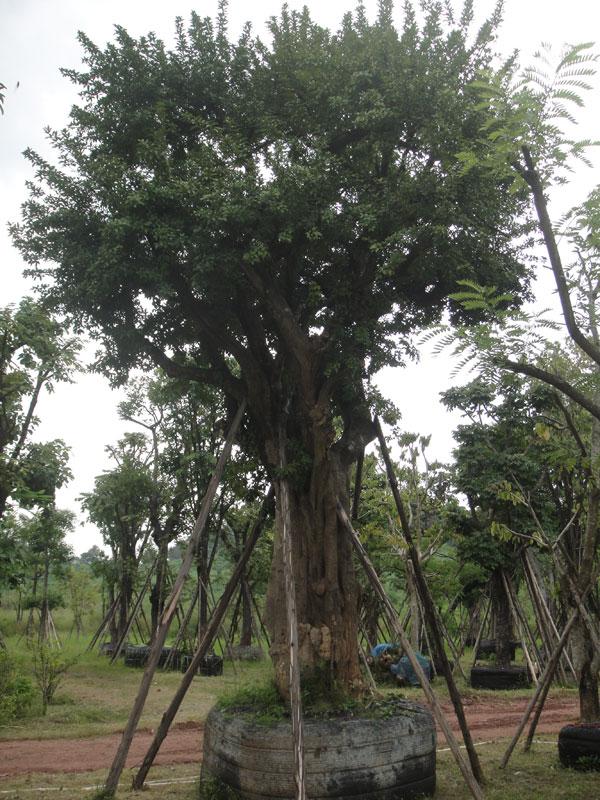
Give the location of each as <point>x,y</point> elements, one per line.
<point>326,587</point>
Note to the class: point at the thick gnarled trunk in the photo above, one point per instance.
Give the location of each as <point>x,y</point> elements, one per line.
<point>326,588</point>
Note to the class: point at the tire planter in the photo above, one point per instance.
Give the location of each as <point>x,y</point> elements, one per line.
<point>357,758</point>
<point>512,677</point>
<point>211,665</point>
<point>579,746</point>
<point>136,655</point>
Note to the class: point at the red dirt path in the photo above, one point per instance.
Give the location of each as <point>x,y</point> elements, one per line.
<point>489,718</point>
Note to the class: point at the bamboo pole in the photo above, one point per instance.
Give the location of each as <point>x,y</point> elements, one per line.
<point>395,625</point>
<point>430,610</point>
<point>542,688</point>
<point>549,617</point>
<point>519,625</point>
<point>134,613</point>
<point>171,605</point>
<point>292,625</point>
<point>105,622</point>
<point>207,639</point>
<point>481,629</point>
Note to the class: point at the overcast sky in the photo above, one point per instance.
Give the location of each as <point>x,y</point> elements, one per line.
<point>39,36</point>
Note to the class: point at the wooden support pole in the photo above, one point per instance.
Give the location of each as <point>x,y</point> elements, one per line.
<point>182,629</point>
<point>430,610</point>
<point>519,625</point>
<point>207,640</point>
<point>481,629</point>
<point>542,688</point>
<point>104,624</point>
<point>134,613</point>
<point>292,623</point>
<point>395,625</point>
<point>171,605</point>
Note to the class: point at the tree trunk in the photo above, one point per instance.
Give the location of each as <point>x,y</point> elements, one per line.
<point>587,673</point>
<point>246,632</point>
<point>326,588</point>
<point>502,623</point>
<point>157,595</point>
<point>415,608</point>
<point>43,632</point>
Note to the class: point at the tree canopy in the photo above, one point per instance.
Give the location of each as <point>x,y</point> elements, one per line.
<point>245,212</point>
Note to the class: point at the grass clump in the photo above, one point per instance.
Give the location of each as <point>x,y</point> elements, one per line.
<point>261,701</point>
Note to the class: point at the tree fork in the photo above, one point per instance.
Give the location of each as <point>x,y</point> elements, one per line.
<point>430,611</point>
<point>171,605</point>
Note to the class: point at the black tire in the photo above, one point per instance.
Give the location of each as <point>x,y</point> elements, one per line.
<point>367,759</point>
<point>579,746</point>
<point>136,655</point>
<point>210,666</point>
<point>512,677</point>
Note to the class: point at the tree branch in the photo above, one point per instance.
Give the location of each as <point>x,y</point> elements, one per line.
<point>553,380</point>
<point>532,177</point>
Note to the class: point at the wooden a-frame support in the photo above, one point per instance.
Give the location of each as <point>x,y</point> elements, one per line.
<point>295,696</point>
<point>395,625</point>
<point>171,606</point>
<point>205,643</point>
<point>431,615</point>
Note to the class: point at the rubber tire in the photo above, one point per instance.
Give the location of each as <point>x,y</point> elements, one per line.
<point>513,677</point>
<point>577,742</point>
<point>354,758</point>
<point>136,655</point>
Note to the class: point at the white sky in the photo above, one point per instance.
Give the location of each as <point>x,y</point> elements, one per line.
<point>38,36</point>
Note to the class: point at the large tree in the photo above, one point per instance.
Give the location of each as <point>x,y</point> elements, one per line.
<point>275,220</point>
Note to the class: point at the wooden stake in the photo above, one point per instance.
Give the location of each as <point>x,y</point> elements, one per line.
<point>430,610</point>
<point>519,625</point>
<point>292,625</point>
<point>207,639</point>
<point>134,613</point>
<point>394,623</point>
<point>171,605</point>
<point>542,687</point>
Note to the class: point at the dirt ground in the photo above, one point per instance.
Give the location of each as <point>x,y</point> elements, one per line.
<point>489,718</point>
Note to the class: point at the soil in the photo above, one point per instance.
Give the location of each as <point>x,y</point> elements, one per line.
<point>489,718</point>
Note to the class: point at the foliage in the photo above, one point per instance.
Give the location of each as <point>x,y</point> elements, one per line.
<point>16,691</point>
<point>35,354</point>
<point>225,209</point>
<point>49,669</point>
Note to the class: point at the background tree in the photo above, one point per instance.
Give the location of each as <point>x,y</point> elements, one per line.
<point>35,353</point>
<point>120,505</point>
<point>277,231</point>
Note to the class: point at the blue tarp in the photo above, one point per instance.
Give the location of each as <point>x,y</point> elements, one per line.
<point>403,667</point>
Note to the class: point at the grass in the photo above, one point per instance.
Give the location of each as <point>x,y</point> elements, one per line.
<point>95,697</point>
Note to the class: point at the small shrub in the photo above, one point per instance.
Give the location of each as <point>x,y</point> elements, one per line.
<point>49,668</point>
<point>17,694</point>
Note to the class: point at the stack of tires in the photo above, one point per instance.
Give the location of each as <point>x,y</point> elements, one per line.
<point>392,758</point>
<point>136,655</point>
<point>210,666</point>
